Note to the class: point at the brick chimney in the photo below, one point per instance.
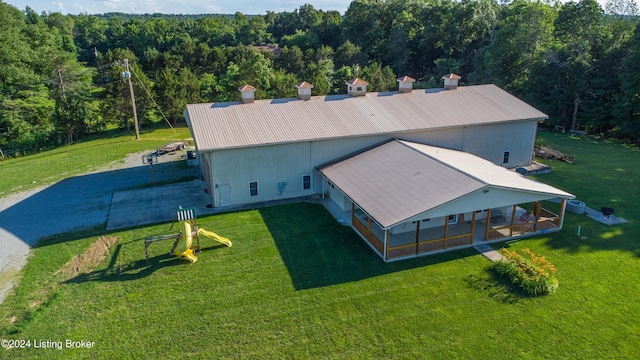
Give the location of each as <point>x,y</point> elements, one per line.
<point>247,93</point>
<point>357,87</point>
<point>451,81</point>
<point>304,90</point>
<point>405,84</point>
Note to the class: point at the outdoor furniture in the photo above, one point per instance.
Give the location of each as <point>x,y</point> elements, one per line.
<point>498,215</point>
<point>606,211</point>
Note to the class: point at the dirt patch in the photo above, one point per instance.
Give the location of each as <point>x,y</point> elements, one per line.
<point>92,257</point>
<point>79,264</point>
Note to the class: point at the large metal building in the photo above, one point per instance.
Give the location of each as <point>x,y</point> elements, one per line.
<point>262,150</point>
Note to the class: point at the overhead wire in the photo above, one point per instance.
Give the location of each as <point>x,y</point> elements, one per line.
<point>154,101</point>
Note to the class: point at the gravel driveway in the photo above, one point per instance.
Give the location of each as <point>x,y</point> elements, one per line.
<point>75,203</point>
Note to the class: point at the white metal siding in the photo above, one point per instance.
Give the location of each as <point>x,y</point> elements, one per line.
<point>447,138</point>
<point>337,196</point>
<point>268,165</point>
<point>409,226</point>
<point>327,150</point>
<point>289,162</point>
<point>491,141</point>
<point>207,173</point>
<point>480,200</point>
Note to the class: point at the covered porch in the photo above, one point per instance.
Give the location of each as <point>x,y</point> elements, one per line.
<point>407,199</point>
<point>466,229</point>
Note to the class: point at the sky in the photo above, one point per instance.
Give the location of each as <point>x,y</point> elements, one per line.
<point>249,7</point>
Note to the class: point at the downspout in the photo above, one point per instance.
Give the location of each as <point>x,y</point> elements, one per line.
<point>386,239</point>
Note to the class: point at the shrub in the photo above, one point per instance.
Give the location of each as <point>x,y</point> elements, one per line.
<point>533,273</point>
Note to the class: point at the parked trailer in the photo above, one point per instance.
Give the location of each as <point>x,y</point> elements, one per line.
<point>171,147</point>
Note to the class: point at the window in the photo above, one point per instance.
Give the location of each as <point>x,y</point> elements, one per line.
<point>359,88</point>
<point>505,157</point>
<point>452,219</point>
<point>253,188</point>
<point>306,182</point>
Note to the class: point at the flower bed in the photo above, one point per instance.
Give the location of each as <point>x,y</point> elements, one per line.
<point>533,273</point>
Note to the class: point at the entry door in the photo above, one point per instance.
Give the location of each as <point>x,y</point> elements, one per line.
<point>225,194</point>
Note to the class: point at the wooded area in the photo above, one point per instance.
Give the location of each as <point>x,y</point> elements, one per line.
<point>61,76</point>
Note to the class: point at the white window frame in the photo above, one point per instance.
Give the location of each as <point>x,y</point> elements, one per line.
<point>506,155</point>
<point>257,188</point>
<point>303,182</point>
<point>454,220</point>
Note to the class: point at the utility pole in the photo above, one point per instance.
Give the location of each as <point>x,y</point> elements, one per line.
<point>133,99</point>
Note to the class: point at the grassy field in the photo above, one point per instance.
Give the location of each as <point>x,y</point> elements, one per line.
<point>296,284</point>
<point>24,173</point>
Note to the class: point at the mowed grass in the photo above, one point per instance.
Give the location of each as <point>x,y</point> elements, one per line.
<point>26,172</point>
<point>296,284</point>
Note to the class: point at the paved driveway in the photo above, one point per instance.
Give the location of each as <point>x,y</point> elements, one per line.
<point>80,202</point>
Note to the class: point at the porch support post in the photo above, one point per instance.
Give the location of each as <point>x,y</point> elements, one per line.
<point>446,230</point>
<point>513,218</point>
<point>563,207</point>
<point>417,236</point>
<point>473,225</point>
<point>369,223</point>
<point>486,230</point>
<point>536,215</point>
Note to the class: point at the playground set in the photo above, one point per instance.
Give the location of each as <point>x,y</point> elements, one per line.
<point>184,244</point>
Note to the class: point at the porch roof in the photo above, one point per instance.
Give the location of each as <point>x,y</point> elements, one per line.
<point>398,180</point>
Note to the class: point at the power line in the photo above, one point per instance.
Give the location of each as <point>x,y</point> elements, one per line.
<point>155,103</point>
<point>125,63</point>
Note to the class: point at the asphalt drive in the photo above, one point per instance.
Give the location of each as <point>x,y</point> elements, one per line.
<point>85,201</point>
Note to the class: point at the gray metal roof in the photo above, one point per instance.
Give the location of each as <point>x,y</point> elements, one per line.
<point>399,179</point>
<point>485,171</point>
<point>233,124</point>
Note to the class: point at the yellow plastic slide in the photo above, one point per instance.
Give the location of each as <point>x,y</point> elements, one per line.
<point>184,246</point>
<point>214,236</point>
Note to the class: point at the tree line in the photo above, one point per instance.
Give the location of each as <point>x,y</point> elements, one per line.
<point>61,76</point>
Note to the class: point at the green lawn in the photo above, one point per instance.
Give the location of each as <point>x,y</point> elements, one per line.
<point>296,284</point>
<point>24,173</point>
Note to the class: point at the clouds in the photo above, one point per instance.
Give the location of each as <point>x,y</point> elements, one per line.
<point>175,6</point>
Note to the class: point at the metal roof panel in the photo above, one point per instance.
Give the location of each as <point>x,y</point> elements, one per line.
<point>234,124</point>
